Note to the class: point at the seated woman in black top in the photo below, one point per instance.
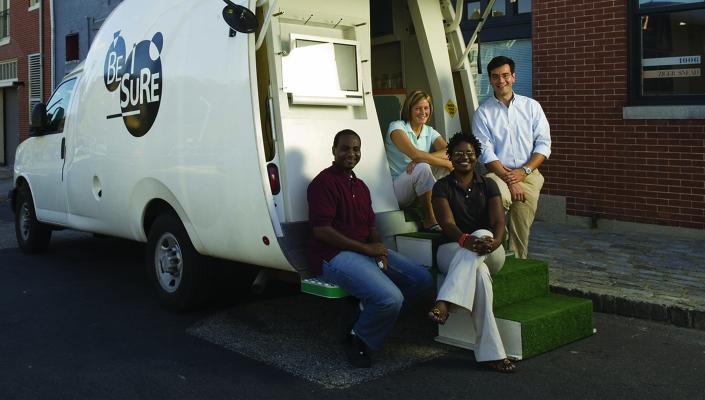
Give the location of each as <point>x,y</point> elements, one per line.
<point>469,209</point>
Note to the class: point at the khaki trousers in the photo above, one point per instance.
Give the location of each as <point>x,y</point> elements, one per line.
<point>521,214</point>
<point>408,187</point>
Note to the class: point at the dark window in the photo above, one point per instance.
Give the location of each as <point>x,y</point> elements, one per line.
<point>382,23</point>
<point>4,18</point>
<point>473,10</point>
<point>499,8</point>
<point>508,19</point>
<point>643,4</point>
<point>667,54</point>
<point>72,53</point>
<point>522,7</point>
<point>58,105</point>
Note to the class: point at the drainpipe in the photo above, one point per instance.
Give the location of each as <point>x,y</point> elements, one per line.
<point>53,44</point>
<point>41,51</point>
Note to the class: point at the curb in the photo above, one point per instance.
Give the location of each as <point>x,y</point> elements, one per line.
<point>608,304</point>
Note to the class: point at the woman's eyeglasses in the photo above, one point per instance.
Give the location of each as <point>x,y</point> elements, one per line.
<point>458,154</point>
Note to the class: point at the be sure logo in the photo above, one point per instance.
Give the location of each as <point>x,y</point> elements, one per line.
<point>139,80</point>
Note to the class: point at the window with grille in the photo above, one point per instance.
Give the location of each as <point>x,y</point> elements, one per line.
<point>8,70</point>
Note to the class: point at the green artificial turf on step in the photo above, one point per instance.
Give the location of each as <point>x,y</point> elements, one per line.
<point>521,294</point>
<point>549,321</point>
<point>519,280</point>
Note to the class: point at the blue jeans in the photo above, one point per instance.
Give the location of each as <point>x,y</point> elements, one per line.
<point>381,293</point>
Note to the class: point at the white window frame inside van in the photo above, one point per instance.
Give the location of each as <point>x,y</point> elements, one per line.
<point>305,77</point>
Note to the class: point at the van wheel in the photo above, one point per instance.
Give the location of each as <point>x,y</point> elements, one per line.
<point>177,271</point>
<point>32,235</point>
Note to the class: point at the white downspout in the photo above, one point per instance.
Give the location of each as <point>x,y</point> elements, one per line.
<point>53,44</point>
<point>41,51</point>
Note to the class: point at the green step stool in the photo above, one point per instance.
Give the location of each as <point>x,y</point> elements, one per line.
<point>530,319</point>
<point>318,287</point>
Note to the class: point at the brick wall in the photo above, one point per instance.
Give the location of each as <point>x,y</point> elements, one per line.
<point>644,171</point>
<point>24,40</point>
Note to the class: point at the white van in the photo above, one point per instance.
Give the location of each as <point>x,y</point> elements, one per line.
<point>195,126</point>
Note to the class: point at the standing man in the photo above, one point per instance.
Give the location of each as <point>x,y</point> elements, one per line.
<point>349,252</point>
<point>515,139</point>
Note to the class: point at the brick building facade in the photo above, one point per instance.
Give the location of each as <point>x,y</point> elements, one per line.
<point>605,163</point>
<point>26,65</point>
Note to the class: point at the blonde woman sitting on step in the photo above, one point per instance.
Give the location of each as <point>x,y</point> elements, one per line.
<point>413,148</point>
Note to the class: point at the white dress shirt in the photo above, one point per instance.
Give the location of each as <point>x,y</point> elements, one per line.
<point>511,134</point>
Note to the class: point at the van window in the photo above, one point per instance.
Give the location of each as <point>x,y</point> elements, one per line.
<point>322,71</point>
<point>57,105</point>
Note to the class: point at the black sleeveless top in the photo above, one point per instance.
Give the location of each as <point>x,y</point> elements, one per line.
<point>470,207</point>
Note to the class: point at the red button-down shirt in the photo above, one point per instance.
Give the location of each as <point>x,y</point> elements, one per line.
<point>343,202</point>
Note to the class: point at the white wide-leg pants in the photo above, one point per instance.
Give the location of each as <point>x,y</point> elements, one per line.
<point>468,284</point>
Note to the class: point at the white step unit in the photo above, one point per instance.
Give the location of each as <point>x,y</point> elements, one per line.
<point>417,249</point>
<point>459,331</point>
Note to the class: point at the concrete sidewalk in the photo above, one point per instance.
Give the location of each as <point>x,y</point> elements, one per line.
<point>649,276</point>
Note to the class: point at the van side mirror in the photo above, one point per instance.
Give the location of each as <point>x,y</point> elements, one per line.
<point>239,18</point>
<point>38,124</point>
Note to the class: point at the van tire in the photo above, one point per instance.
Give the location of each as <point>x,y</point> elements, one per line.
<point>32,236</point>
<point>183,287</point>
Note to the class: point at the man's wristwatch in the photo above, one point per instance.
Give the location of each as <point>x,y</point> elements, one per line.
<point>527,170</point>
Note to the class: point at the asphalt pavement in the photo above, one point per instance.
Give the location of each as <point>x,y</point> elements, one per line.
<point>81,322</point>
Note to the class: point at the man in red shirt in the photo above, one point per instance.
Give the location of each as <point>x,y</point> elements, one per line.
<point>347,249</point>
